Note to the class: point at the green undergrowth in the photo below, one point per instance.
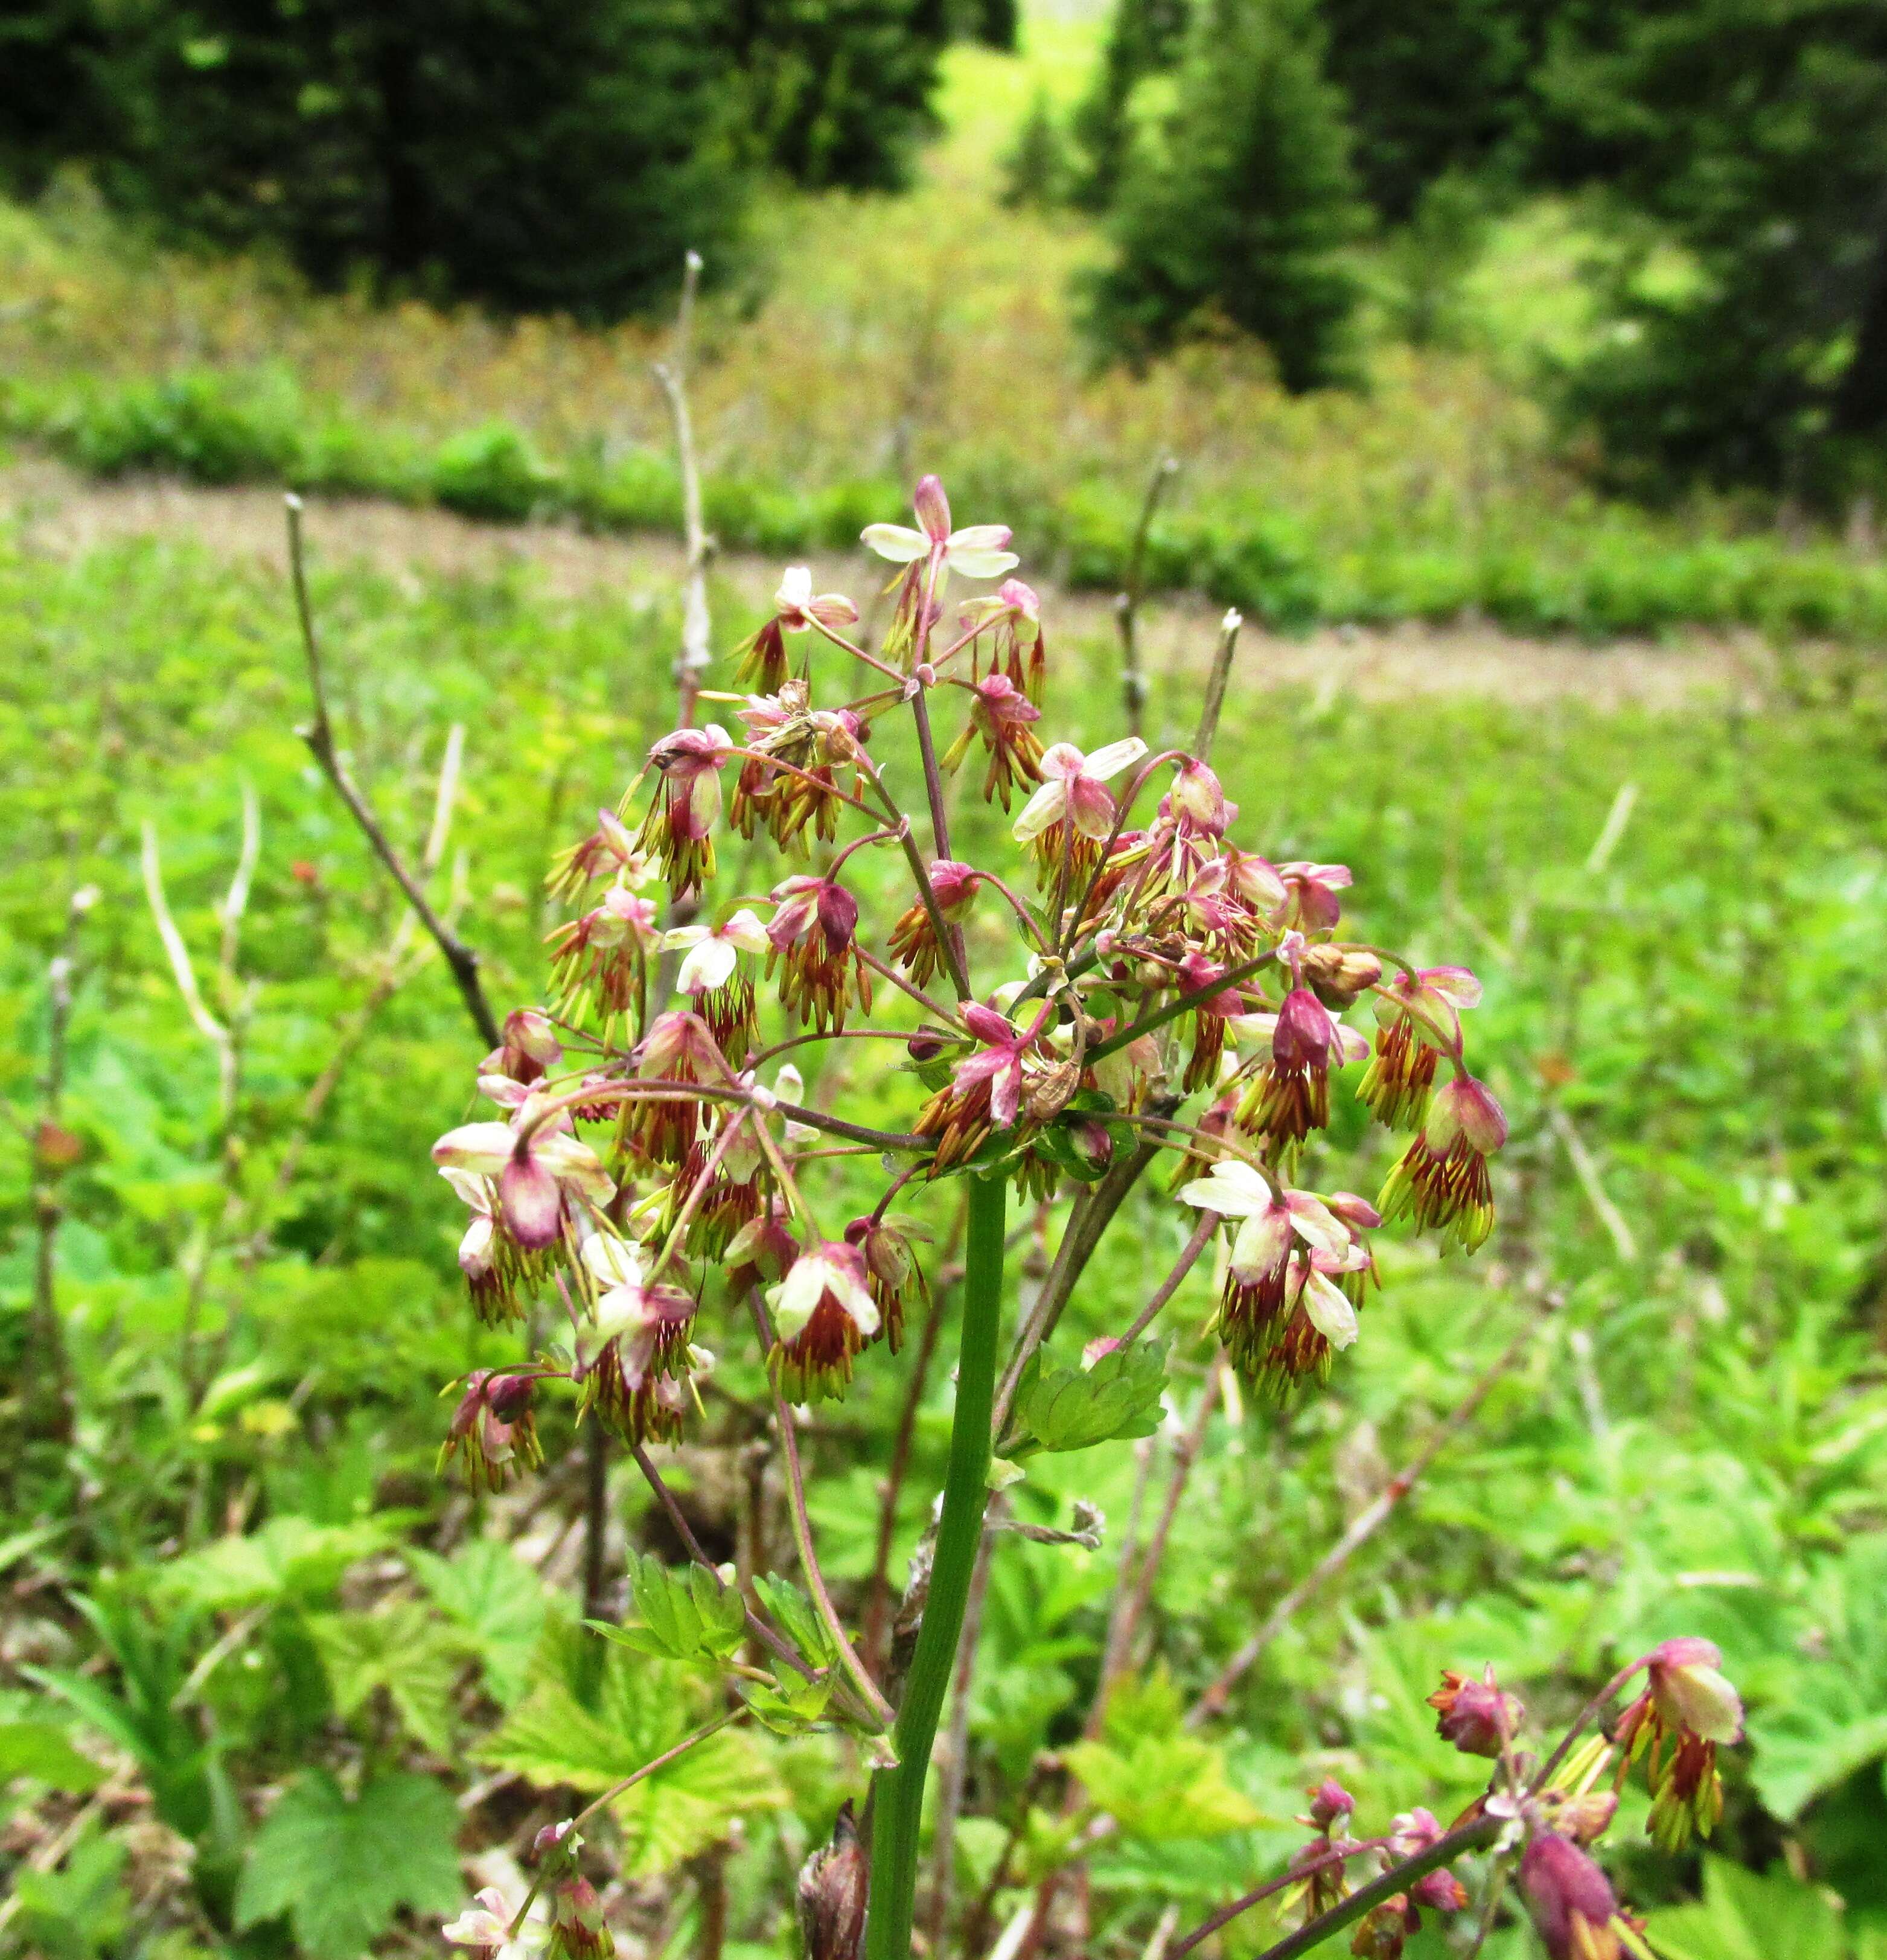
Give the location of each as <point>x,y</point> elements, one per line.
<point>1587,568</point>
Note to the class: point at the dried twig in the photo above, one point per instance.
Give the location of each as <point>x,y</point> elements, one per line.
<point>212,1030</point>
<point>319,735</point>
<point>1371,1519</point>
<point>672,377</point>
<point>1127,602</point>
<point>1215,684</point>
<point>1624,1243</point>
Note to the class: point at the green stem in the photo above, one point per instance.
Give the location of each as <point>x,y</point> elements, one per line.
<point>899,1798</point>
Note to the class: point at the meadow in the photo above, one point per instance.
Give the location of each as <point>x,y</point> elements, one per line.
<point>270,1684</point>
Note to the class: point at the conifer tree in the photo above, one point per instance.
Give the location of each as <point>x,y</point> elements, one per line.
<point>1240,211</point>
<point>1144,37</point>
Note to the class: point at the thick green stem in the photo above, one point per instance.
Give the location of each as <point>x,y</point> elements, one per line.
<point>897,1802</point>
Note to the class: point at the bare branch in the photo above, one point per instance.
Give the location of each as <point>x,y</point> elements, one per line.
<point>672,377</point>
<point>1215,685</point>
<point>236,903</point>
<point>319,735</point>
<point>1126,602</point>
<point>184,973</point>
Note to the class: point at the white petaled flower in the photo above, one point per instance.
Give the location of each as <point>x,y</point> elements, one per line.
<point>1328,1308</point>
<point>789,1086</point>
<point>827,1269</point>
<point>977,551</point>
<point>1072,788</point>
<point>798,608</point>
<point>712,951</point>
<point>1234,1189</point>
<point>484,1926</point>
<point>612,1262</point>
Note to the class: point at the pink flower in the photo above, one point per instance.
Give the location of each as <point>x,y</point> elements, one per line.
<point>605,949</point>
<point>1312,889</point>
<point>1418,1021</point>
<point>999,1062</point>
<point>530,1047</point>
<point>1570,1899</point>
<point>977,551</point>
<point>1000,712</point>
<point>1441,1180</point>
<point>493,1426</point>
<point>823,1313</point>
<point>540,1168</point>
<point>713,951</point>
<point>678,1048</point>
<point>679,825</point>
<point>1475,1716</point>
<point>1291,1097</point>
<point>813,934</point>
<point>1073,793</point>
<point>1688,1697</point>
<point>913,941</point>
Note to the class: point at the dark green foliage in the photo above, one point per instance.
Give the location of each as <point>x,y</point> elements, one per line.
<point>1239,213</point>
<point>1036,167</point>
<point>1754,133</point>
<point>996,24</point>
<point>532,157</point>
<point>51,106</point>
<point>1144,38</point>
<point>1439,86</point>
<point>835,92</point>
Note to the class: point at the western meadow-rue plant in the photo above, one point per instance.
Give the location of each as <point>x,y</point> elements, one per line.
<point>656,1170</point>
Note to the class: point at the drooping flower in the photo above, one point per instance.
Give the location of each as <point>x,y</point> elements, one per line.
<point>1441,1179</point>
<point>985,1089</point>
<point>634,1361</point>
<point>1209,1015</point>
<point>578,1930</point>
<point>606,951</point>
<point>1012,615</point>
<point>762,1251</point>
<point>790,780</point>
<point>1322,1884</point>
<point>1311,904</point>
<point>541,1170</point>
<point>494,1429</point>
<point>1418,1022</point>
<point>914,942</point>
<point>709,971</point>
<point>498,1270</point>
<point>484,1927</point>
<point>529,1047</point>
<point>1476,1716</point>
<point>1687,1697</point>
<point>977,551</point>
<point>823,1313</point>
<point>679,828</point>
<point>1000,714</point>
<point>892,1269</point>
<point>679,1048</point>
<point>1068,820</point>
<point>763,662</point>
<point>607,852</point>
<point>812,937</point>
<point>1570,1899</point>
<point>1290,1096</point>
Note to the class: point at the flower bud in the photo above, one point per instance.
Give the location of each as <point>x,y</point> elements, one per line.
<point>832,1893</point>
<point>1570,1899</point>
<point>1330,1803</point>
<point>1691,1693</point>
<point>1338,975</point>
<point>1475,1716</point>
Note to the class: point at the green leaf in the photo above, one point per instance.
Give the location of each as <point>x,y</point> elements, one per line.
<point>687,1614</point>
<point>1744,1916</point>
<point>80,1909</point>
<point>290,1560</point>
<point>639,1711</point>
<point>798,1620</point>
<point>340,1870</point>
<point>40,1751</point>
<point>1167,1786</point>
<point>495,1602</point>
<point>401,1648</point>
<point>1075,1408</point>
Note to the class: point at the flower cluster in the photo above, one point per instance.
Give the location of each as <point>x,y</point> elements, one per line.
<point>1123,977</point>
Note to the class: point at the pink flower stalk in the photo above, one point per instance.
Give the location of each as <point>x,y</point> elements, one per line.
<point>679,826</point>
<point>913,942</point>
<point>1068,819</point>
<point>541,1171</point>
<point>1000,714</point>
<point>812,938</point>
<point>1441,1180</point>
<point>978,550</point>
<point>823,1313</point>
<point>1418,1022</point>
<point>1687,1697</point>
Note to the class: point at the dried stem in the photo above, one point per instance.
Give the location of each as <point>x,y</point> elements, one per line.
<point>212,1030</point>
<point>1215,684</point>
<point>319,735</point>
<point>672,377</point>
<point>1188,1257</point>
<point>1367,1522</point>
<point>1127,604</point>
